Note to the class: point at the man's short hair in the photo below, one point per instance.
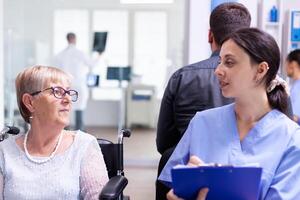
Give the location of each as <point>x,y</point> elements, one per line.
<point>71,36</point>
<point>294,56</point>
<point>227,18</point>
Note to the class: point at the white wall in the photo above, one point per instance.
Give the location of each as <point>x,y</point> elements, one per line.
<point>198,47</point>
<point>291,4</point>
<point>1,65</point>
<point>252,6</point>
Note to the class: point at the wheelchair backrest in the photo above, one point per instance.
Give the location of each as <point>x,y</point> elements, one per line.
<point>113,160</point>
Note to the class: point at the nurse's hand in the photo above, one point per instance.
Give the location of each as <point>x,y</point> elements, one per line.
<point>194,161</point>
<point>201,195</point>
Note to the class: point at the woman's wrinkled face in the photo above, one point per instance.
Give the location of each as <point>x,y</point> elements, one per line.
<point>50,109</point>
<point>235,72</point>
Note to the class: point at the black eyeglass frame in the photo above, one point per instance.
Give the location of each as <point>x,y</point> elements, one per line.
<point>59,97</point>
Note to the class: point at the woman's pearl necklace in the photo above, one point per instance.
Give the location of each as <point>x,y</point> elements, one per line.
<point>40,161</point>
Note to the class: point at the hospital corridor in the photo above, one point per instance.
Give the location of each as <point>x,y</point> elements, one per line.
<point>150,99</point>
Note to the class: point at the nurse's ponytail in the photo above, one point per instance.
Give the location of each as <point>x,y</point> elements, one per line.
<point>278,93</point>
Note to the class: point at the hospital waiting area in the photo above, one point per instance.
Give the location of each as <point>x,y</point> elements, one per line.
<point>150,99</point>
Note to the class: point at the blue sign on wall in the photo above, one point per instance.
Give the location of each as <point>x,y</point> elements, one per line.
<point>295,26</point>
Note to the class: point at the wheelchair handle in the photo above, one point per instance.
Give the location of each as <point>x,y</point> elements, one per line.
<point>8,130</point>
<point>126,132</point>
<point>123,133</point>
<point>120,165</point>
<point>11,130</point>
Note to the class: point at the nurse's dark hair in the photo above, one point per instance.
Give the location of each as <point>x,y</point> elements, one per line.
<point>227,18</point>
<point>261,47</point>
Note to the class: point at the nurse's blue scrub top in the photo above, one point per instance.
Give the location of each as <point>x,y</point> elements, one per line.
<point>273,143</point>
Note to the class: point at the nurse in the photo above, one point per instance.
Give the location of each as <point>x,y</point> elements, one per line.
<point>255,128</point>
<point>292,67</point>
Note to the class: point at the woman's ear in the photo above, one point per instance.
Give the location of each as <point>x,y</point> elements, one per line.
<point>27,100</point>
<point>261,71</point>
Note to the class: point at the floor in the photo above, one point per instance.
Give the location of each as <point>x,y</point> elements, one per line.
<point>140,160</point>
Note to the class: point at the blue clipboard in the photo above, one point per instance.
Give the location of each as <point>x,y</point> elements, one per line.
<point>225,182</point>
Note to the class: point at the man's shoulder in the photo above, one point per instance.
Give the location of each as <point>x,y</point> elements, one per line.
<point>199,69</point>
<point>207,64</point>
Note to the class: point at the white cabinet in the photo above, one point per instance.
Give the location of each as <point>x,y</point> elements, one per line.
<point>141,106</point>
<point>267,20</point>
<point>267,23</point>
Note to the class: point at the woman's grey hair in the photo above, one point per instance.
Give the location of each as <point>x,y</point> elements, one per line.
<point>34,79</point>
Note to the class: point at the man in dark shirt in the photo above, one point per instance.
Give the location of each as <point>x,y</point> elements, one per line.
<point>194,87</point>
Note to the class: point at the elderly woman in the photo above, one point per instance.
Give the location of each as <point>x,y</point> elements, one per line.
<point>49,162</point>
<point>255,128</point>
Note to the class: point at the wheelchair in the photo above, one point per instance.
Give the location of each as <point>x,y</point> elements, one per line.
<point>113,158</point>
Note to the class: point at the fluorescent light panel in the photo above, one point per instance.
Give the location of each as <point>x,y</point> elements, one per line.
<point>146,1</point>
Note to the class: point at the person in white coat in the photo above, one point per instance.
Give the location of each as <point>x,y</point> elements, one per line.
<point>75,62</point>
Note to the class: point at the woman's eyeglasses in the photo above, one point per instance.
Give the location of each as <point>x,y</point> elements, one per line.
<point>60,92</point>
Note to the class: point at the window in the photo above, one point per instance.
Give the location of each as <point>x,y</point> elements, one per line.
<point>150,48</point>
<point>76,21</point>
<point>115,22</point>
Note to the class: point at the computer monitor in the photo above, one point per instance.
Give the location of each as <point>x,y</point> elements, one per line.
<point>93,80</point>
<point>99,41</point>
<point>118,73</point>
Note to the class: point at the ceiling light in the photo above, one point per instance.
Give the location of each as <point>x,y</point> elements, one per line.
<point>146,1</point>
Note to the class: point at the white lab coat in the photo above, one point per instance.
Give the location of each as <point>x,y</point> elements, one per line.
<point>77,64</point>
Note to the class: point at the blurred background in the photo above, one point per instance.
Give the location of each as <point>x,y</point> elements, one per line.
<point>136,45</point>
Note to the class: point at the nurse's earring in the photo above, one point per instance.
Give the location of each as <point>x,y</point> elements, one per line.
<point>30,118</point>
